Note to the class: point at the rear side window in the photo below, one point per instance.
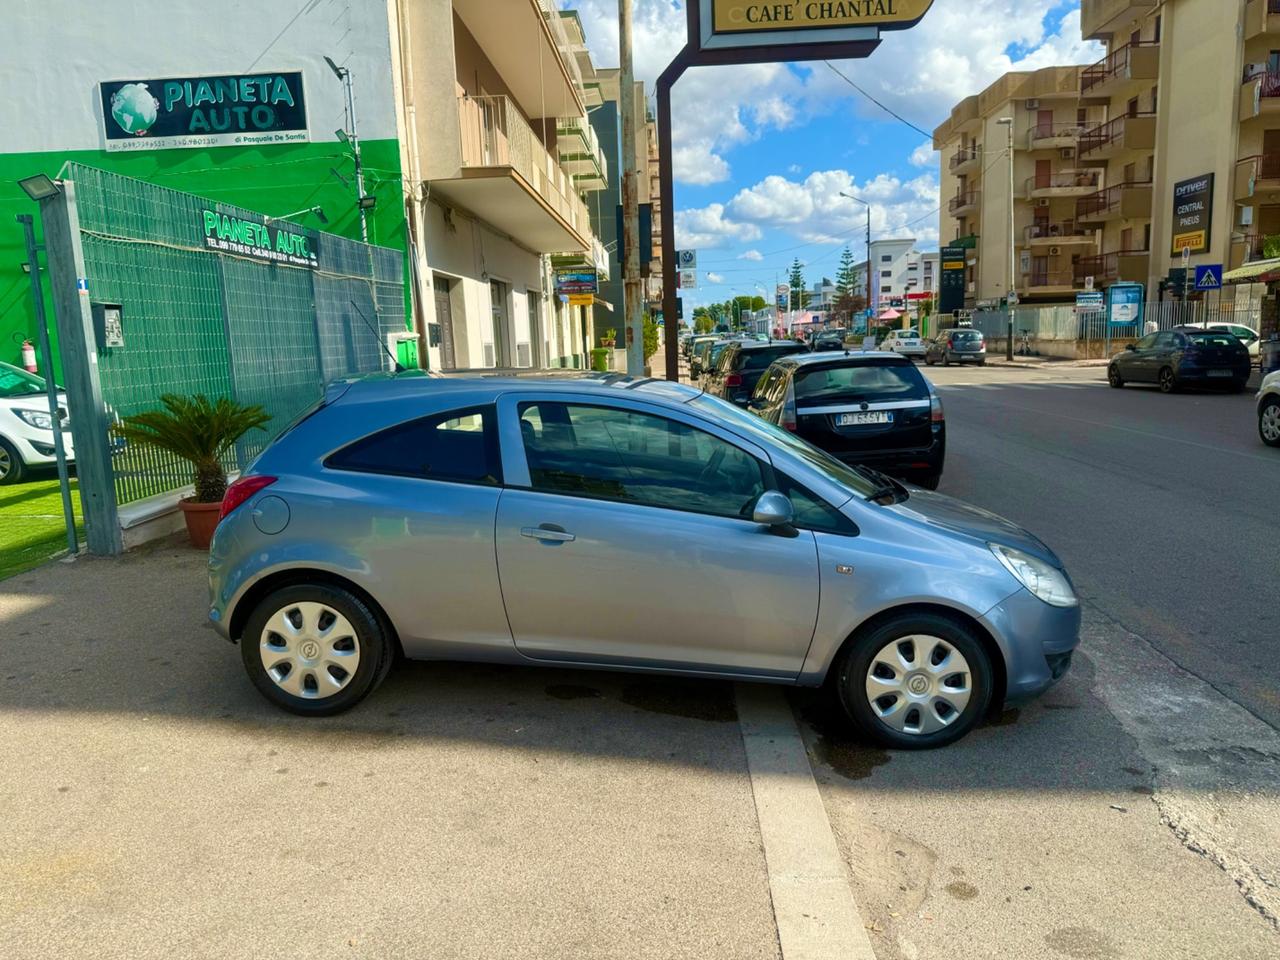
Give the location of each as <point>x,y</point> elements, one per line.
<point>760,359</point>
<point>872,382</point>
<point>460,446</point>
<point>1210,339</point>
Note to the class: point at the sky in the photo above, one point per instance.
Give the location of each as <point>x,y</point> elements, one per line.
<point>762,152</point>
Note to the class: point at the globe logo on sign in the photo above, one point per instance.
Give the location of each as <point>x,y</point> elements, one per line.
<point>134,108</point>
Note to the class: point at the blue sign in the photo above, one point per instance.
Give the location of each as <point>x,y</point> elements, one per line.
<point>1124,302</point>
<point>1209,277</point>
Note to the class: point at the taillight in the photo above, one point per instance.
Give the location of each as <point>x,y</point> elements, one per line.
<point>242,490</point>
<point>788,416</point>
<point>950,345</point>
<point>935,408</point>
<point>733,380</point>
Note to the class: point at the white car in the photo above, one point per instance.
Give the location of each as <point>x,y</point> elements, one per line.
<point>1246,335</point>
<point>906,343</point>
<point>26,429</point>
<point>1269,409</point>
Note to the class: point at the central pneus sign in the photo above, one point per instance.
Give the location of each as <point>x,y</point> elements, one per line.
<point>1193,214</point>
<point>176,112</point>
<point>739,15</point>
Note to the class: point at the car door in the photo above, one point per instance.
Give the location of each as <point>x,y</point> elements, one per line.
<point>1138,364</point>
<point>621,539</point>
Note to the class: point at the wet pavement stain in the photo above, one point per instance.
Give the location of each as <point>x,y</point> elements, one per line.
<point>835,746</point>
<point>572,691</point>
<point>1081,943</point>
<point>709,701</point>
<point>962,890</point>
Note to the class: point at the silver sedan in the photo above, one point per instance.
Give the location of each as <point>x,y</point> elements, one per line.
<point>609,523</point>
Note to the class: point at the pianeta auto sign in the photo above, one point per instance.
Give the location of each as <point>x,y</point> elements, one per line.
<point>732,16</point>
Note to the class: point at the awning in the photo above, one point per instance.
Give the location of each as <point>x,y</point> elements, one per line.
<point>1254,271</point>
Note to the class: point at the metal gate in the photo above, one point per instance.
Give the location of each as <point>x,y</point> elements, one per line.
<point>157,292</point>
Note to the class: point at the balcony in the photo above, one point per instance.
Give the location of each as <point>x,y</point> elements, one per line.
<point>1101,19</point>
<point>965,159</point>
<point>1122,266</point>
<point>1123,72</point>
<point>1258,177</point>
<point>507,177</point>
<point>1260,96</point>
<point>1246,249</point>
<point>1064,183</point>
<point>964,203</point>
<point>1054,136</point>
<point>1261,17</point>
<point>1053,280</point>
<point>1123,134</point>
<point>1059,233</point>
<point>1124,201</point>
<point>580,154</point>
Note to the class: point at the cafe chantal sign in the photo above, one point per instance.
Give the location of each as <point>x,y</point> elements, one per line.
<point>732,16</point>
<point>273,242</point>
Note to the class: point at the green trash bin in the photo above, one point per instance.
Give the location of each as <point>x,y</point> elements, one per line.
<point>600,359</point>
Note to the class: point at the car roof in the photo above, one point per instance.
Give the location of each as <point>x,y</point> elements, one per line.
<point>767,344</point>
<point>417,383</point>
<point>834,356</point>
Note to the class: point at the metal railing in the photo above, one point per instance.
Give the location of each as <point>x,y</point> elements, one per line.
<point>1268,83</point>
<point>1105,267</point>
<point>1095,138</point>
<point>1264,166</point>
<point>1053,278</point>
<point>1056,230</point>
<point>1113,65</point>
<point>1106,201</point>
<point>580,128</point>
<point>963,156</point>
<point>960,201</point>
<point>1063,180</point>
<point>1054,131</point>
<point>495,134</point>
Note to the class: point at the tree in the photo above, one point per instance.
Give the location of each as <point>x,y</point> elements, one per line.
<point>650,338</point>
<point>799,295</point>
<point>846,276</point>
<point>704,323</point>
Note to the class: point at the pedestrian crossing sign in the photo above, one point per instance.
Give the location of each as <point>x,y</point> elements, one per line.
<point>1209,277</point>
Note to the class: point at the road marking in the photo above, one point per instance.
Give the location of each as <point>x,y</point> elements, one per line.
<point>813,907</point>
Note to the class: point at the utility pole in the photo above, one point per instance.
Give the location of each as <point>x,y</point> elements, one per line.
<point>1012,300</point>
<point>632,309</point>
<point>850,196</point>
<point>353,140</point>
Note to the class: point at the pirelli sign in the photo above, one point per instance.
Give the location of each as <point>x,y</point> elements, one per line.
<point>738,16</point>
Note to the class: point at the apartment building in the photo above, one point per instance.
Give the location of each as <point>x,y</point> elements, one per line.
<point>499,158</point>
<point>897,270</point>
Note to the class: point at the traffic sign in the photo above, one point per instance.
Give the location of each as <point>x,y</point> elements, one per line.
<point>688,279</point>
<point>1209,276</point>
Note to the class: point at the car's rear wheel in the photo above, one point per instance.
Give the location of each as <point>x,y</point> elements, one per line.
<point>1269,422</point>
<point>315,649</point>
<point>12,469</point>
<point>1168,380</point>
<point>1114,378</point>
<point>918,681</point>
<point>928,359</point>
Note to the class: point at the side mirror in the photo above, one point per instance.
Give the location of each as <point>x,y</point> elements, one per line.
<point>1130,346</point>
<point>773,509</point>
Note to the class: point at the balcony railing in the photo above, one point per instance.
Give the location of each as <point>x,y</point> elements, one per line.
<point>1268,83</point>
<point>1063,180</point>
<point>1054,131</point>
<point>1108,133</point>
<point>1057,230</point>
<point>1106,201</point>
<point>495,134</point>
<point>1053,278</point>
<point>963,200</point>
<point>1107,267</point>
<point>1116,64</point>
<point>965,156</point>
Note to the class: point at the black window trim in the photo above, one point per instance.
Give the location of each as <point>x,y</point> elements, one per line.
<point>493,450</point>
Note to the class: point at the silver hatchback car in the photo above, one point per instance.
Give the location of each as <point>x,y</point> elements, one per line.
<point>621,524</point>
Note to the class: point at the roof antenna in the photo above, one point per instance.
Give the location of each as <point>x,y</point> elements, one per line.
<point>398,367</point>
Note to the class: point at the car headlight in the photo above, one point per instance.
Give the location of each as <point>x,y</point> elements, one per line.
<point>39,419</point>
<point>1042,579</point>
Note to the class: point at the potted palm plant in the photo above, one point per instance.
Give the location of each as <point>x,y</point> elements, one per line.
<point>200,431</point>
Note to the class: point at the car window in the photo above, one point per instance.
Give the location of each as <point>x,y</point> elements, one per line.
<point>1211,338</point>
<point>811,511</point>
<point>16,382</point>
<point>761,359</point>
<point>1147,342</point>
<point>460,446</point>
<point>1165,340</point>
<point>726,358</point>
<point>861,381</point>
<point>966,335</point>
<point>614,454</point>
<point>1244,333</point>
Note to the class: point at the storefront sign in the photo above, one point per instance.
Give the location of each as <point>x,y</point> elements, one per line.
<point>271,242</point>
<point>951,287</point>
<point>1090,301</point>
<point>576,282</point>
<point>1193,214</point>
<point>734,16</point>
<point>581,299</point>
<point>176,112</point>
<point>688,279</point>
<point>1124,302</point>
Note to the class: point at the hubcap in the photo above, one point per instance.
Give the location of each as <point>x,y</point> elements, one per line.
<point>309,650</point>
<point>5,464</point>
<point>1270,422</point>
<point>918,685</point>
<point>1166,380</point>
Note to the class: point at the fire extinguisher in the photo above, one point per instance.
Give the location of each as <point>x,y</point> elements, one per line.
<point>29,356</point>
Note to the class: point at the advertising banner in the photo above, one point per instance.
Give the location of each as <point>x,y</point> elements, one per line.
<point>576,281</point>
<point>1193,214</point>
<point>272,242</point>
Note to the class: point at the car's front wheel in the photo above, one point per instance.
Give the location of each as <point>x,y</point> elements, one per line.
<point>12,469</point>
<point>1168,380</point>
<point>1114,378</point>
<point>315,649</point>
<point>1269,422</point>
<point>915,682</point>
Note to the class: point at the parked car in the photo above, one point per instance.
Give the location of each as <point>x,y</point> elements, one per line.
<point>698,358</point>
<point>691,345</point>
<point>741,365</point>
<point>26,428</point>
<point>1180,357</point>
<point>957,346</point>
<point>710,356</point>
<point>1269,409</point>
<point>872,409</point>
<point>1246,335</point>
<point>904,342</point>
<point>829,340</point>
<point>494,519</point>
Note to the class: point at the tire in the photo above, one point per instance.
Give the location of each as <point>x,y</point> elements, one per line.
<point>362,634</point>
<point>1114,378</point>
<point>982,363</point>
<point>12,469</point>
<point>1269,422</point>
<point>944,634</point>
<point>1167,380</point>
<point>928,360</point>
<point>930,481</point>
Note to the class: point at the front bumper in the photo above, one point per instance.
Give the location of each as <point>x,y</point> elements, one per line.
<point>1037,641</point>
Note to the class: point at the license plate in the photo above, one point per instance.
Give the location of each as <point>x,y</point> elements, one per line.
<point>865,417</point>
<point>1220,373</point>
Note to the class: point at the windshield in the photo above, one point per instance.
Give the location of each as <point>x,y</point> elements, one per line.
<point>762,431</point>
<point>964,336</point>
<point>760,359</point>
<point>16,382</point>
<point>853,381</point>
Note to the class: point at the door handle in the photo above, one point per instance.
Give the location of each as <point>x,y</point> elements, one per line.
<point>546,535</point>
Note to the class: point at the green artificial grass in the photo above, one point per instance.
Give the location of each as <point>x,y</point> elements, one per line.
<point>31,525</point>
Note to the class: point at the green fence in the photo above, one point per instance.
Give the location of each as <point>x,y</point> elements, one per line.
<point>222,322</point>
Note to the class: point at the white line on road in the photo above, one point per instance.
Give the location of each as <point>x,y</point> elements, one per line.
<point>813,906</point>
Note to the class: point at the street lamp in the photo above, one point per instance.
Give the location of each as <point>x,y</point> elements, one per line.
<point>1012,300</point>
<point>849,196</point>
<point>318,211</point>
<point>352,139</point>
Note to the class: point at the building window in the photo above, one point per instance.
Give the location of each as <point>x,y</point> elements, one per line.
<point>886,273</point>
<point>887,258</point>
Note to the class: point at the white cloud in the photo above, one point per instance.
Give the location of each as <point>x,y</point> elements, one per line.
<point>795,168</point>
<point>754,255</point>
<point>707,228</point>
<point>713,277</point>
<point>924,155</point>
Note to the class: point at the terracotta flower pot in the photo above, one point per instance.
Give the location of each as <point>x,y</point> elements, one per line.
<point>202,520</point>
